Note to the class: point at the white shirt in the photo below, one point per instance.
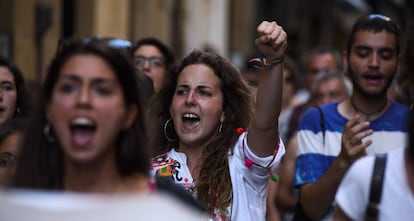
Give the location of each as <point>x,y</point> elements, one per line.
<point>397,202</point>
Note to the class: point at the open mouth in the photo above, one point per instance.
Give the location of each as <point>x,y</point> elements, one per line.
<point>373,77</point>
<point>82,131</point>
<point>190,121</point>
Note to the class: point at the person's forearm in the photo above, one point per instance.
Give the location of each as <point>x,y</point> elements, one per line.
<point>263,129</point>
<point>286,201</point>
<point>269,96</point>
<point>268,104</point>
<point>317,198</point>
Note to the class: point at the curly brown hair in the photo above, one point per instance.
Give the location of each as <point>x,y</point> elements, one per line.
<point>213,185</point>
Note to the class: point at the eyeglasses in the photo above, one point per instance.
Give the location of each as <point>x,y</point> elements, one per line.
<point>120,44</point>
<point>7,159</point>
<point>139,61</point>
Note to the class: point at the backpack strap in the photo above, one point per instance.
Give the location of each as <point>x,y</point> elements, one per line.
<point>322,123</point>
<point>377,180</point>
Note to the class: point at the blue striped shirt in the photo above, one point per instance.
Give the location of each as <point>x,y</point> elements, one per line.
<point>316,155</point>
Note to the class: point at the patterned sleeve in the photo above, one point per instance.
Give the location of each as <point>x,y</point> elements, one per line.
<point>159,162</point>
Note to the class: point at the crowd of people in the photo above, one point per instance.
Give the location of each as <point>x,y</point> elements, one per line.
<point>283,140</point>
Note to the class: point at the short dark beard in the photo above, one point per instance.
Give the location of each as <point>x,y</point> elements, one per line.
<point>361,91</point>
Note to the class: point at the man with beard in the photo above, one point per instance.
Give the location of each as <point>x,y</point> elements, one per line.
<point>366,123</point>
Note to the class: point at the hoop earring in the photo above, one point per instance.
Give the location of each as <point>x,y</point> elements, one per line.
<point>165,131</point>
<point>220,127</point>
<point>48,133</point>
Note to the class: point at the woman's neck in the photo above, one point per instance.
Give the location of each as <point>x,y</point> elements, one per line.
<point>103,179</point>
<point>91,177</point>
<point>193,155</point>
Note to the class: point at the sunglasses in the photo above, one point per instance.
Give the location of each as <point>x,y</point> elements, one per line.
<point>378,16</point>
<point>122,45</point>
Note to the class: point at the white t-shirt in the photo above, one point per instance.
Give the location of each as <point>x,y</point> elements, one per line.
<point>249,184</point>
<point>397,202</point>
<point>35,205</point>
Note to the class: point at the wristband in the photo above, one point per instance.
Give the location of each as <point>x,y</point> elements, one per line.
<point>263,64</point>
